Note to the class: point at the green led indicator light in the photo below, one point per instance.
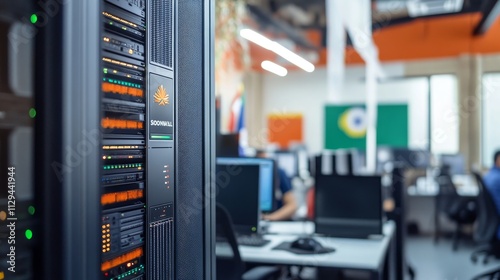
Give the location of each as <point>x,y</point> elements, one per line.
<point>105,70</point>
<point>32,113</point>
<point>29,234</point>
<point>31,210</point>
<point>254,229</point>
<point>162,137</point>
<point>33,18</point>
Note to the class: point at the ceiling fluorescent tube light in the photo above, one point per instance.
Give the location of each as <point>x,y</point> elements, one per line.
<point>277,48</point>
<point>274,68</point>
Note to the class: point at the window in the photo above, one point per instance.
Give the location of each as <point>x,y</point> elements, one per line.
<point>490,140</point>
<point>444,114</point>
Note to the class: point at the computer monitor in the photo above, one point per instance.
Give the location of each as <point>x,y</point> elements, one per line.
<point>245,187</point>
<point>228,145</point>
<point>411,158</point>
<point>288,161</point>
<point>358,161</point>
<point>344,162</point>
<point>348,206</point>
<point>325,164</point>
<point>339,162</point>
<point>456,163</point>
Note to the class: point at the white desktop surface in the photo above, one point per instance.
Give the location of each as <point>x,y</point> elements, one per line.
<point>465,186</point>
<point>365,254</point>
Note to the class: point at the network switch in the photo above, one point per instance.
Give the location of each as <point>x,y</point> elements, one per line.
<point>122,230</point>
<point>132,20</point>
<point>129,266</point>
<point>117,24</point>
<point>136,7</point>
<point>123,61</point>
<point>126,108</point>
<point>122,178</point>
<point>122,46</point>
<point>118,72</point>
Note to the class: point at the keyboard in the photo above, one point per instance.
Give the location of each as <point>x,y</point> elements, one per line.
<point>252,241</point>
<point>244,240</point>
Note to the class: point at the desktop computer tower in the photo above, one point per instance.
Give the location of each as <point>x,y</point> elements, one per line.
<point>123,139</point>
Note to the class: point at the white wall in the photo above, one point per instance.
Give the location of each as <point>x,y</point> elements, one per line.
<point>306,93</point>
<point>302,93</point>
<point>491,118</point>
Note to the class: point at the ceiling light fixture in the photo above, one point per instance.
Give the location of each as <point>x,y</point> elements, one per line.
<point>277,48</point>
<point>274,68</point>
<point>418,8</point>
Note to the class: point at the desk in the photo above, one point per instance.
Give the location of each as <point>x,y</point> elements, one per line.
<point>359,254</point>
<point>465,186</point>
<point>421,203</point>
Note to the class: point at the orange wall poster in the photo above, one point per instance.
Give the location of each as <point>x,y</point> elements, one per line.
<point>284,129</point>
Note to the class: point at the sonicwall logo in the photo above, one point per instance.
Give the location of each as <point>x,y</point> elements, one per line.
<point>161,123</point>
<point>161,96</point>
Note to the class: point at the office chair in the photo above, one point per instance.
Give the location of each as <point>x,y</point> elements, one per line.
<point>461,210</point>
<point>234,268</point>
<point>488,221</point>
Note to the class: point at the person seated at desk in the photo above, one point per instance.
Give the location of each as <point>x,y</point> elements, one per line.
<point>286,202</point>
<point>492,182</point>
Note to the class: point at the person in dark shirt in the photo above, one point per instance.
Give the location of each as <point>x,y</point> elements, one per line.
<point>285,199</point>
<point>492,181</point>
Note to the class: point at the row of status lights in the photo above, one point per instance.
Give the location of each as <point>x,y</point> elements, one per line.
<point>28,233</point>
<point>131,272</point>
<point>120,166</point>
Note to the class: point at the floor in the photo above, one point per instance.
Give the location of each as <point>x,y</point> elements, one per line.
<point>438,262</point>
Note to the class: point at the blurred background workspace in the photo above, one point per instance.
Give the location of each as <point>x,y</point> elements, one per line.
<point>357,139</point>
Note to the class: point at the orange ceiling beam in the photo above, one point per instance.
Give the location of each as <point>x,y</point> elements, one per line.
<point>428,38</point>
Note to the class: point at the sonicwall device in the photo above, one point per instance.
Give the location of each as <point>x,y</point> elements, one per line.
<point>137,125</point>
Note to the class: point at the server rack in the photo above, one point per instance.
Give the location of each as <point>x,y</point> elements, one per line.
<point>91,170</point>
<point>18,226</point>
<point>137,112</point>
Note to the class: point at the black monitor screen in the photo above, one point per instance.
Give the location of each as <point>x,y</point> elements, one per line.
<point>238,184</point>
<point>228,145</point>
<point>267,173</point>
<point>411,158</point>
<point>348,206</point>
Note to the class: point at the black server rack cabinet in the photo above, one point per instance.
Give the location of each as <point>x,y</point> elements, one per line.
<point>112,139</point>
<point>141,150</point>
<point>19,229</point>
<point>138,144</point>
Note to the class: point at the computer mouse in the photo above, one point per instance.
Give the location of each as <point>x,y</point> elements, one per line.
<point>307,244</point>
